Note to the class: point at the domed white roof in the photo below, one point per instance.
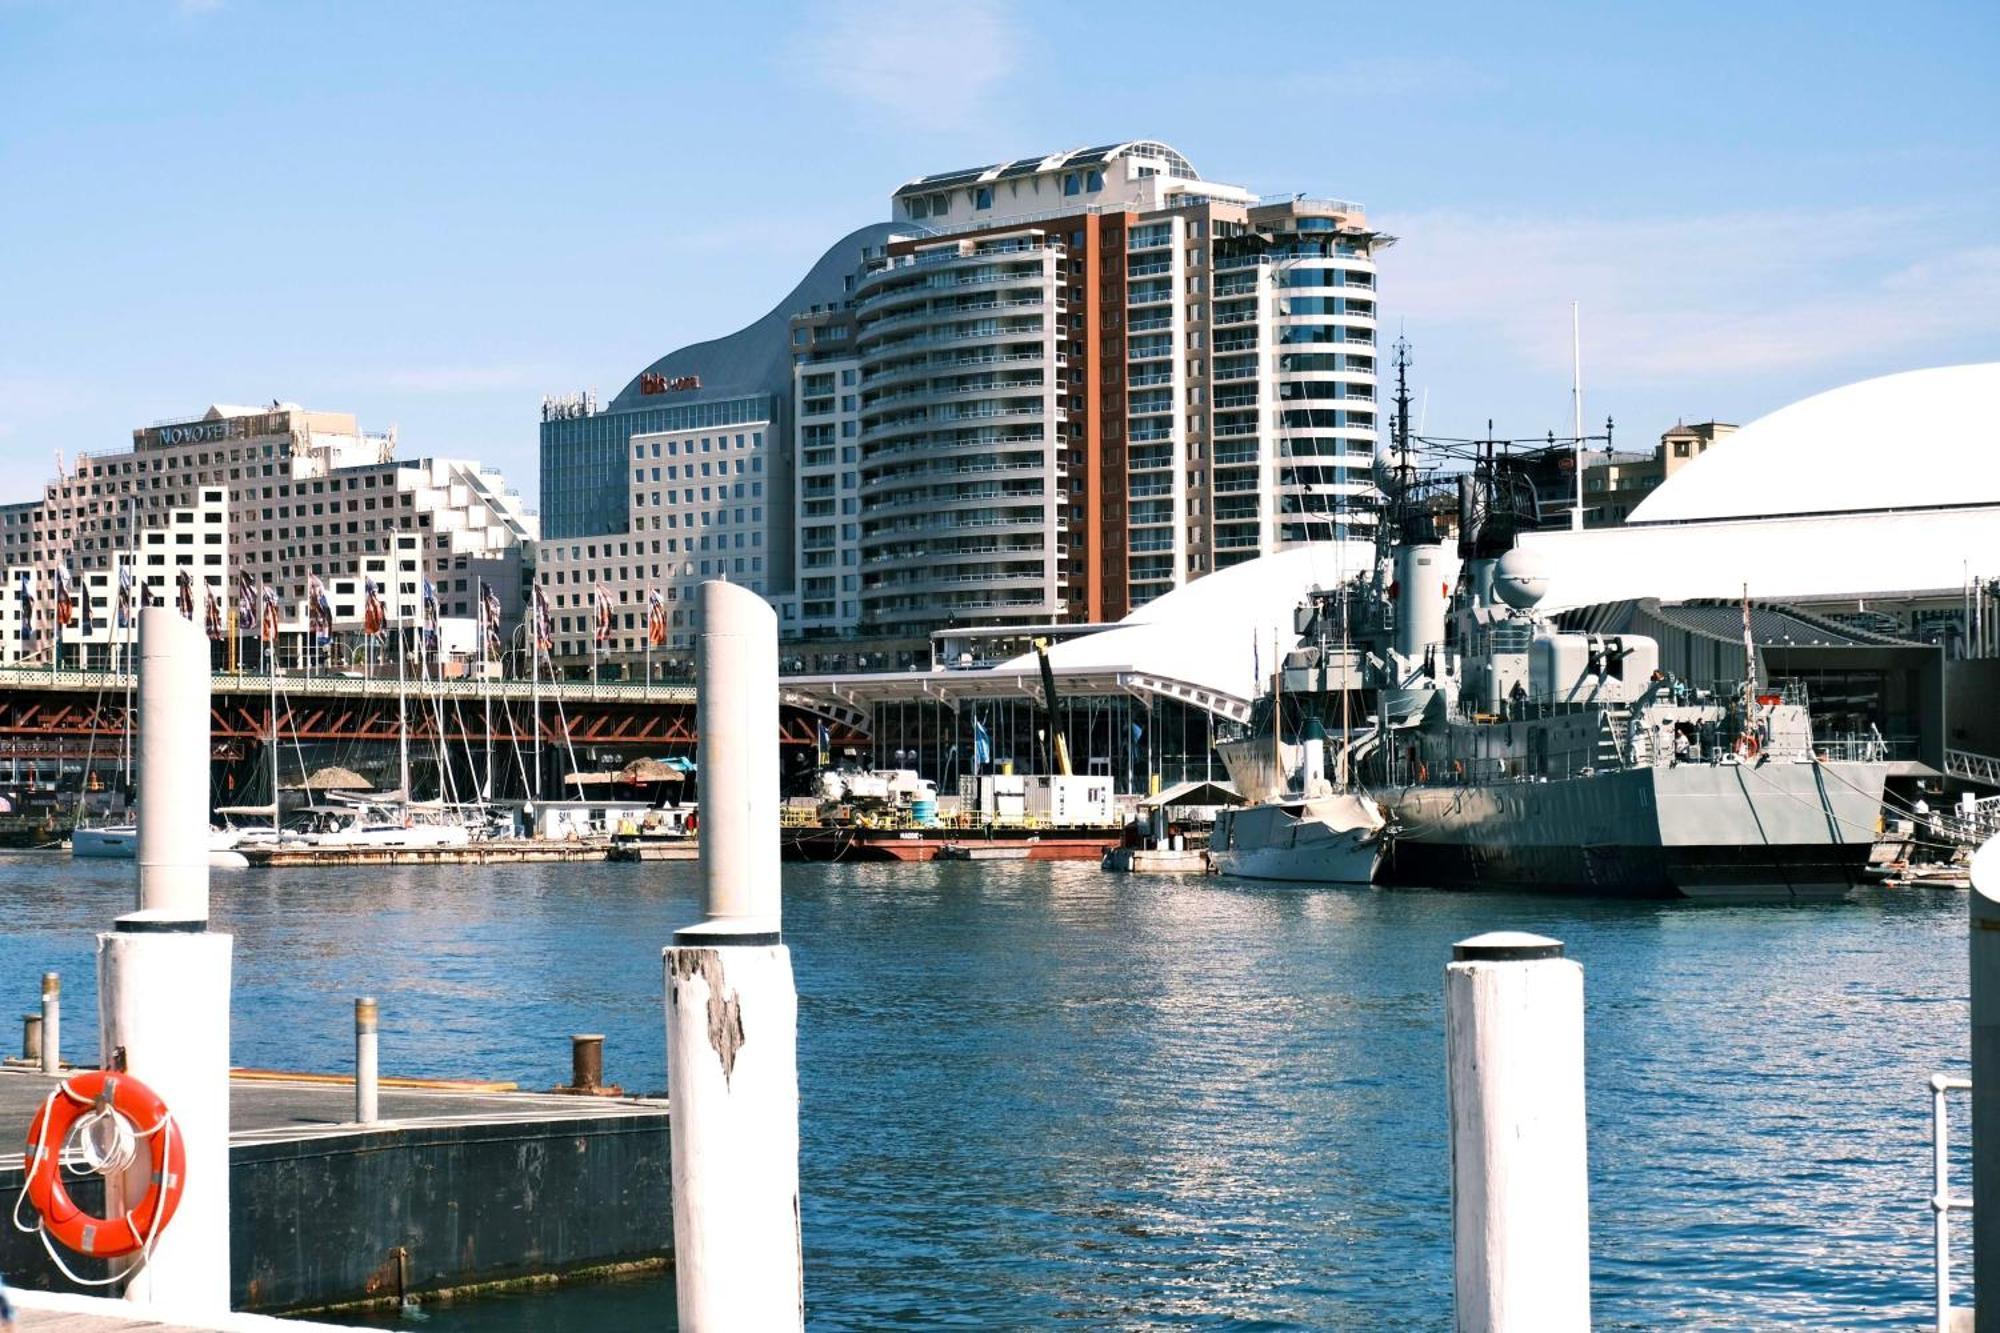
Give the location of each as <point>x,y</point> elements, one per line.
<point>1921,439</point>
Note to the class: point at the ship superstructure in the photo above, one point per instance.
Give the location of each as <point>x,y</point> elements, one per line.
<point>1504,750</point>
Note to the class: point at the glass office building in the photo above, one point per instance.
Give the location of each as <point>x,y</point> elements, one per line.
<point>585,489</point>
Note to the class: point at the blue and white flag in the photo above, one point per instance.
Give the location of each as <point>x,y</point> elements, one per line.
<point>982,747</point>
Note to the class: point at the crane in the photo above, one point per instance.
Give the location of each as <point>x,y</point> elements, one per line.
<point>1058,743</point>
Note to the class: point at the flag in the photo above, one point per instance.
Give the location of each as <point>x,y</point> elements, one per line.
<point>489,615</point>
<point>430,618</point>
<point>246,602</point>
<point>29,630</point>
<point>656,619</point>
<point>89,618</point>
<point>185,597</point>
<point>124,597</point>
<point>65,599</point>
<point>603,596</point>
<point>269,597</point>
<point>825,745</point>
<point>214,612</point>
<point>319,611</point>
<point>538,605</point>
<point>372,620</point>
<point>982,746</point>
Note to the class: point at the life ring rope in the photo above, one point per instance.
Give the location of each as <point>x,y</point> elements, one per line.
<point>72,1109</point>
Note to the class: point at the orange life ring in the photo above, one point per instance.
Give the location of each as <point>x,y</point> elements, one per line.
<point>149,1119</point>
<point>1746,746</point>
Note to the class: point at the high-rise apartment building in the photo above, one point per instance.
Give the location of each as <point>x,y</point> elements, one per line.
<point>278,492</point>
<point>1050,389</point>
<point>1095,377</point>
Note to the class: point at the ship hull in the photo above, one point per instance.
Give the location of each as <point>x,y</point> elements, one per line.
<point>1349,859</point>
<point>1771,832</point>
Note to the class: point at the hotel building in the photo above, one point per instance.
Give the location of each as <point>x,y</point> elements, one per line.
<point>278,492</point>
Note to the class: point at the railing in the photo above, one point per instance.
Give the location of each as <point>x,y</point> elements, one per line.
<point>1972,767</point>
<point>1943,1205</point>
<point>300,681</point>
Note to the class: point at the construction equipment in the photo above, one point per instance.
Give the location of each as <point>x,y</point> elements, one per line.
<point>1058,743</point>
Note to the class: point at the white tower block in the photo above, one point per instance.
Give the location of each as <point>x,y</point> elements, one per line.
<point>1985,947</point>
<point>732,1007</point>
<point>163,978</point>
<point>1519,1194</point>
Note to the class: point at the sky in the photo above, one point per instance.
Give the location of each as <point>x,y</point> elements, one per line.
<point>432,215</point>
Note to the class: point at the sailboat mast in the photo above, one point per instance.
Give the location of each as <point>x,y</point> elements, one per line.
<point>534,637</point>
<point>486,635</point>
<point>276,829</point>
<point>402,694</point>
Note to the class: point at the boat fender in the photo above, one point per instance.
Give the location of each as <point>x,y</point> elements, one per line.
<point>1746,747</point>
<point>138,1114</point>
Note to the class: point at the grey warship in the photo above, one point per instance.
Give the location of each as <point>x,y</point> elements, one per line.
<point>1507,752</point>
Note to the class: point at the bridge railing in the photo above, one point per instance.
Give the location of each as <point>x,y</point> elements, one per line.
<point>339,685</point>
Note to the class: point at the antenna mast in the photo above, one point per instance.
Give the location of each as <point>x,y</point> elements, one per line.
<point>1576,408</point>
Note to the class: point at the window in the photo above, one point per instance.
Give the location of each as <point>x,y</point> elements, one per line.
<point>1093,180</point>
<point>983,197</point>
<point>1071,183</point>
<point>1680,449</point>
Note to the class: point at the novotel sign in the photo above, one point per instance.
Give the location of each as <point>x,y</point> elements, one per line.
<point>652,383</point>
<point>194,434</point>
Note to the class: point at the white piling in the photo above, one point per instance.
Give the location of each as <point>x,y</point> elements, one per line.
<point>366,1053</point>
<point>1519,1192</point>
<point>1984,936</point>
<point>731,1004</point>
<point>164,978</point>
<point>51,1023</point>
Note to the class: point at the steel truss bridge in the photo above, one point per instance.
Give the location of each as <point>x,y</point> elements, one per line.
<point>81,715</point>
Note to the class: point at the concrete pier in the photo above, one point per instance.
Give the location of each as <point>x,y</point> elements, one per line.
<point>453,1189</point>
<point>62,1312</point>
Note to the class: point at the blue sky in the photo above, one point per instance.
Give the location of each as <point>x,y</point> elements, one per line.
<point>433,214</point>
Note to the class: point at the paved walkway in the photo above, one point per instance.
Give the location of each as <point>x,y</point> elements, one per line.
<point>263,1109</point>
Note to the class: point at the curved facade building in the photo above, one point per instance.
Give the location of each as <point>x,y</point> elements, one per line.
<point>687,474</point>
<point>1049,391</point>
<point>1098,377</point>
<point>961,346</point>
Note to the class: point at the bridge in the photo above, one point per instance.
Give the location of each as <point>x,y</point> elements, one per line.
<point>72,717</point>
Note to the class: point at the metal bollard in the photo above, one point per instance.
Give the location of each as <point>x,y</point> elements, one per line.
<point>586,1061</point>
<point>366,1108</point>
<point>51,1022</point>
<point>1519,1192</point>
<point>31,1038</point>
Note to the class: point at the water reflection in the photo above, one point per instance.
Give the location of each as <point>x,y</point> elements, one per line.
<point>1037,1094</point>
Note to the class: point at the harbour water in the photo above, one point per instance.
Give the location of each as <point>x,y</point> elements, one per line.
<point>1035,1094</point>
